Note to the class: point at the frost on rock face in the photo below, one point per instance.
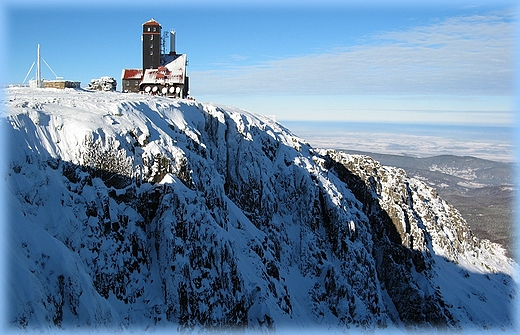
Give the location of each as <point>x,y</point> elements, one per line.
<point>136,212</point>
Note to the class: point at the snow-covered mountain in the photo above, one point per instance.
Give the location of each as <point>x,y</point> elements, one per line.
<point>136,212</point>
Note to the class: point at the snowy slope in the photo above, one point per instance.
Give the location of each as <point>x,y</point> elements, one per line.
<point>137,212</point>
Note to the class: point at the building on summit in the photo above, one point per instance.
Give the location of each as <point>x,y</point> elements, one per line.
<point>162,73</point>
<point>58,83</point>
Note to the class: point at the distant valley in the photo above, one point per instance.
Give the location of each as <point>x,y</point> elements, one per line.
<point>481,190</point>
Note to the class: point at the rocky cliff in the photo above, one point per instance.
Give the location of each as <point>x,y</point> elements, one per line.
<point>134,212</point>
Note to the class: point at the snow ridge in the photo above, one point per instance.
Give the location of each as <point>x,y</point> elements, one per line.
<point>138,212</point>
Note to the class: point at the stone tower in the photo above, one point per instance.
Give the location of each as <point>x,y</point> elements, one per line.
<point>151,45</point>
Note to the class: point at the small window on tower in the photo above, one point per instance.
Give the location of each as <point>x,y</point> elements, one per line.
<point>154,29</point>
<point>148,28</point>
<point>151,37</point>
<point>151,53</point>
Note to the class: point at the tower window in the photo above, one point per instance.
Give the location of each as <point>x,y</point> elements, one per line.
<point>148,28</point>
<point>151,37</point>
<point>151,53</point>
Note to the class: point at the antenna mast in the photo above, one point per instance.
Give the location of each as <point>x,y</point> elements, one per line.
<point>163,42</point>
<point>38,70</point>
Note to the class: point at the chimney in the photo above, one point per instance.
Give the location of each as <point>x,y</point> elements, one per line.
<point>172,42</point>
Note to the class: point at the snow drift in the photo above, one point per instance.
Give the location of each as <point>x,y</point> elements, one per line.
<point>137,212</point>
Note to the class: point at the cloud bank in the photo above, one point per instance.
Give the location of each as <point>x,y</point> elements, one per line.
<point>467,55</point>
<point>418,140</point>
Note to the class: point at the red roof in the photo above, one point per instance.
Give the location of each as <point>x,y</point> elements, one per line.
<point>152,22</point>
<point>136,74</point>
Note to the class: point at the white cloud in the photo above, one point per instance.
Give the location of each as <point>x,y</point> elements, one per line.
<point>468,55</point>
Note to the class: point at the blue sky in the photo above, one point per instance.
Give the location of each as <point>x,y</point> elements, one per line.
<point>439,62</point>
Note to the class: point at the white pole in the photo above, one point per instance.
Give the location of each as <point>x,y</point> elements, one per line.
<point>38,70</point>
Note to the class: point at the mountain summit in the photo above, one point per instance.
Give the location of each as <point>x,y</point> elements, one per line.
<point>134,212</point>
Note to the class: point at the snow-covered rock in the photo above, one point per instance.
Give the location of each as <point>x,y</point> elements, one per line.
<point>137,212</point>
<point>104,83</point>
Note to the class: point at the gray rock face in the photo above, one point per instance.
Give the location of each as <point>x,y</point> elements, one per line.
<point>483,191</point>
<point>182,214</point>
